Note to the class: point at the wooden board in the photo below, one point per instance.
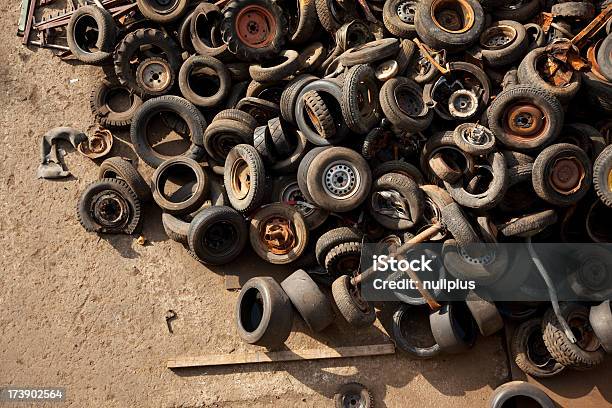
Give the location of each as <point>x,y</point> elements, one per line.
<point>288,355</point>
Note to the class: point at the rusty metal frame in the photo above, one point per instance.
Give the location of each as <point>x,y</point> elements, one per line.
<point>588,32</point>
<point>426,53</point>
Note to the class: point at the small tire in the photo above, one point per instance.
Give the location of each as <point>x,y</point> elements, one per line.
<point>222,135</point>
<point>165,172</point>
<point>333,238</point>
<point>103,111</point>
<point>353,395</point>
<point>528,351</point>
<point>310,302</point>
<point>519,391</point>
<point>357,312</point>
<point>411,195</point>
<point>244,197</point>
<point>453,327</point>
<point>399,337</point>
<point>359,83</point>
<point>415,120</point>
<point>166,12</point>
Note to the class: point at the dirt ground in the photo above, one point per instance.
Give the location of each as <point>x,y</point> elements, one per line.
<point>87,312</point>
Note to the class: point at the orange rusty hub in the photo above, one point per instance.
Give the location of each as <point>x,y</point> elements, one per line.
<point>566,175</point>
<point>524,120</point>
<point>453,16</point>
<point>256,26</point>
<point>278,235</point>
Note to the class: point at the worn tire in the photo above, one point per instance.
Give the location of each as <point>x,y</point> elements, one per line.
<point>120,168</point>
<point>410,192</point>
<point>602,176</point>
<point>164,14</point>
<point>196,62</point>
<point>356,314</point>
<point>519,350</point>
<point>359,119</point>
<point>416,121</point>
<point>256,189</point>
<point>103,112</point>
<point>310,302</point>
<point>105,41</point>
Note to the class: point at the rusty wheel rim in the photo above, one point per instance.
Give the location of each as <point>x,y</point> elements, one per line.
<point>278,235</point>
<point>452,16</point>
<point>240,178</point>
<point>524,120</point>
<point>155,75</point>
<point>566,175</point>
<point>256,26</point>
<point>109,209</point>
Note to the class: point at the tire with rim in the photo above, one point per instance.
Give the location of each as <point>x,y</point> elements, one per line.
<point>602,176</point>
<point>286,190</point>
<point>503,43</point>
<point>278,233</point>
<point>168,103</point>
<point>310,302</point>
<point>562,174</point>
<point>162,11</point>
<point>586,353</point>
<point>199,63</point>
<point>222,135</point>
<point>217,235</point>
<point>452,38</point>
<point>514,117</point>
<point>129,49</point>
<point>244,177</point>
<point>398,17</point>
<point>239,15</point>
<point>264,315</point>
<point>356,311</point>
<point>339,179</point>
<point>109,206</point>
<point>83,20</point>
<point>413,115</point>
<point>529,352</point>
<point>359,104</point>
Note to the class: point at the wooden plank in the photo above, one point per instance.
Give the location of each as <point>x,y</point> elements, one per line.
<point>274,356</point>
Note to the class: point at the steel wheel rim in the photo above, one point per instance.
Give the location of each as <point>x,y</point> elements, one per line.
<point>452,16</point>
<point>109,209</point>
<point>341,180</point>
<point>255,26</point>
<point>219,238</point>
<point>278,235</point>
<point>155,75</point>
<point>292,193</point>
<point>495,38</point>
<point>240,178</point>
<point>405,11</point>
<point>566,175</point>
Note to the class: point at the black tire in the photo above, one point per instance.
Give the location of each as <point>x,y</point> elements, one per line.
<point>399,334</point>
<point>171,169</point>
<point>496,56</point>
<point>118,167</point>
<point>320,116</point>
<point>262,141</point>
<point>264,315</point>
<point>237,116</point>
<point>222,135</point>
<point>602,174</point>
<point>410,193</point>
<point>286,190</point>
<point>455,221</point>
<point>85,20</point>
<point>398,17</point>
<point>217,235</point>
<point>477,147</point>
<point>302,30</point>
<point>528,225</point>
<point>329,23</point>
<point>484,264</point>
<point>280,141</point>
<point>604,57</point>
<point>167,103</point>
<point>596,93</point>
<point>453,328</point>
<point>519,391</point>
<point>269,72</point>
<point>548,104</point>
<point>528,74</point>
<point>372,51</point>
<point>163,12</point>
<point>175,228</point>
<point>102,108</point>
<point>236,94</point>
<point>289,96</point>
<point>414,118</point>
<point>343,259</point>
<point>303,171</point>
<point>310,302</point>
<point>184,31</point>
<point>118,191</point>
<point>357,312</point>
<point>514,159</point>
<point>485,314</point>
<point>333,238</point>
<point>274,250</point>
<point>529,352</point>
<point>561,348</point>
<point>129,48</point>
<point>274,39</point>
<point>494,193</point>
<point>195,63</point>
<point>525,12</point>
<point>361,112</point>
<point>400,167</point>
<point>244,155</point>
<point>434,35</point>
<point>339,194</point>
<point>544,170</point>
<point>584,11</point>
<point>353,395</point>
<point>405,55</point>
<point>519,173</point>
<point>204,25</point>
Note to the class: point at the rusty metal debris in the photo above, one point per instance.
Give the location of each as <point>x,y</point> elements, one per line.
<point>97,145</point>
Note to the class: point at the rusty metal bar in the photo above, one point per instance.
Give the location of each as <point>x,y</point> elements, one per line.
<point>592,28</point>
<point>432,60</point>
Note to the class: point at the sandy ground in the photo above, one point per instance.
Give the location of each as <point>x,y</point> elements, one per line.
<point>87,312</point>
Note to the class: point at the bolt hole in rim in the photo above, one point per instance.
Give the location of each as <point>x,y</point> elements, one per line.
<point>109,209</point>
<point>406,11</point>
<point>463,103</point>
<point>220,237</point>
<point>566,174</point>
<point>163,6</point>
<point>155,75</point>
<point>341,180</point>
<point>452,16</point>
<point>255,26</point>
<point>86,33</point>
<point>495,38</point>
<point>240,178</point>
<point>278,235</point>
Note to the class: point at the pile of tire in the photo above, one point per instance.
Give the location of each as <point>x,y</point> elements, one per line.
<point>315,126</point>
